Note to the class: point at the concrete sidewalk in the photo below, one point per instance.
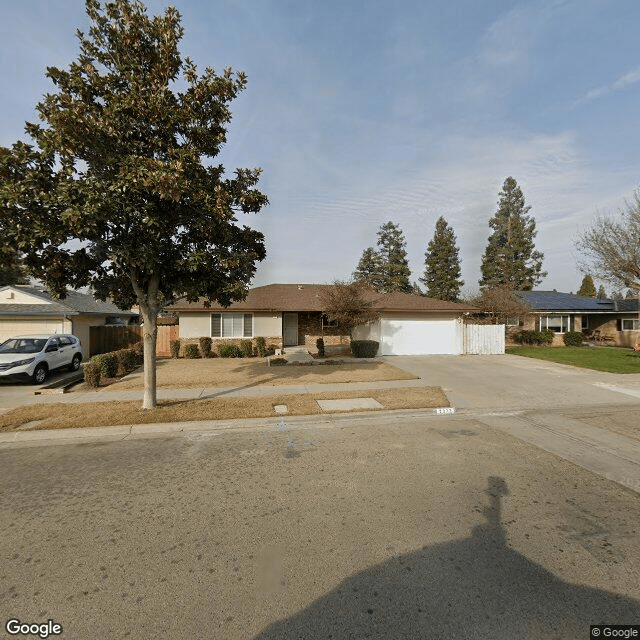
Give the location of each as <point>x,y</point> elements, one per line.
<point>200,393</point>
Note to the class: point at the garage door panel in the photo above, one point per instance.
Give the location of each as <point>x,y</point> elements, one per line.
<point>11,328</point>
<point>420,337</point>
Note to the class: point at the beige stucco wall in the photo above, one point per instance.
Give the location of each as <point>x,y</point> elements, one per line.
<point>81,330</point>
<point>267,324</point>
<point>194,325</point>
<point>15,296</point>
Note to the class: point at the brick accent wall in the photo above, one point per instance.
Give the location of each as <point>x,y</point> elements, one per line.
<point>310,329</point>
<point>273,342</point>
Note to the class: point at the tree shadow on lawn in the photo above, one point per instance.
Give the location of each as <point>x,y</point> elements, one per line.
<point>472,588</point>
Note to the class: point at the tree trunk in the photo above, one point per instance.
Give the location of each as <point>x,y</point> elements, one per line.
<point>149,337</point>
<point>148,301</point>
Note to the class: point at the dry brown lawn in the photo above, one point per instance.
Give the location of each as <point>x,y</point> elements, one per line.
<point>102,414</point>
<point>222,372</point>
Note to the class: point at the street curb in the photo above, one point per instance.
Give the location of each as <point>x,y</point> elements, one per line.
<point>159,429</point>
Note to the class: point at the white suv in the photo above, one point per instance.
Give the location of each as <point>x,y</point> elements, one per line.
<point>34,356</point>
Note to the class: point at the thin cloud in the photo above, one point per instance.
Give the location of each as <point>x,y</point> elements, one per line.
<point>624,81</point>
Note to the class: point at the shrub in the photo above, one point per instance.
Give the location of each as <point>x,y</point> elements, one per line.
<point>138,349</point>
<point>278,361</point>
<point>174,347</point>
<point>573,338</point>
<point>127,360</point>
<point>205,346</point>
<point>247,348</point>
<point>534,337</point>
<point>191,351</point>
<point>320,347</point>
<point>108,364</point>
<point>364,348</point>
<point>92,374</point>
<point>228,350</point>
<point>261,346</point>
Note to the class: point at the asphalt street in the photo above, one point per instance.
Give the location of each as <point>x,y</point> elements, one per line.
<point>393,525</point>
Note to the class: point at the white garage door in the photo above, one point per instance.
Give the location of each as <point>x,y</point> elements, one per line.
<point>11,328</point>
<point>420,337</point>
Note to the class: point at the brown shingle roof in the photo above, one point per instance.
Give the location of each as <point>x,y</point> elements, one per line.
<point>308,297</point>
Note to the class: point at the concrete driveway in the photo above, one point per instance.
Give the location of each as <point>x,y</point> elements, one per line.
<point>17,394</point>
<point>513,382</point>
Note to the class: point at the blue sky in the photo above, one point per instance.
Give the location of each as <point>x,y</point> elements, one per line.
<point>363,112</point>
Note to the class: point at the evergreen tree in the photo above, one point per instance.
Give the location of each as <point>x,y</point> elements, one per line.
<point>510,258</point>
<point>617,295</point>
<point>369,269</point>
<point>630,295</point>
<point>395,266</point>
<point>416,290</point>
<point>442,264</point>
<point>602,294</point>
<point>587,288</point>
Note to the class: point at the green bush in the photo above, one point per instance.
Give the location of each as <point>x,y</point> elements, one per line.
<point>174,347</point>
<point>92,374</point>
<point>191,351</point>
<point>320,347</point>
<point>364,348</point>
<point>205,346</point>
<point>228,350</point>
<point>261,346</point>
<point>127,361</point>
<point>534,337</point>
<point>573,338</point>
<point>247,348</point>
<point>138,350</point>
<point>108,364</point>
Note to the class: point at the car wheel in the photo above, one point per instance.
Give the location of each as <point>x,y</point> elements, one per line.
<point>75,363</point>
<point>40,374</point>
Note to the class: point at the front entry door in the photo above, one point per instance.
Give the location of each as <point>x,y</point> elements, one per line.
<point>290,329</point>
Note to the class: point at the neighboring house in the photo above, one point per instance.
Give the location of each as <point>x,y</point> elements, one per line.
<point>292,315</point>
<point>30,309</point>
<point>615,320</point>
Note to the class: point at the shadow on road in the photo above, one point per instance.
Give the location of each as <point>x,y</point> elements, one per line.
<point>473,588</point>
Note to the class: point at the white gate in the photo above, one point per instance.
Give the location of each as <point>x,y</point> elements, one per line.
<point>484,339</point>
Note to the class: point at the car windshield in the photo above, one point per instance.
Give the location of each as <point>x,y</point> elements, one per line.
<point>23,345</point>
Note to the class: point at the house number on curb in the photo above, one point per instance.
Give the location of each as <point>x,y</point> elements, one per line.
<point>442,410</point>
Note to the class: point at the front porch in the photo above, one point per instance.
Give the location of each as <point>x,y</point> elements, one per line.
<point>303,328</point>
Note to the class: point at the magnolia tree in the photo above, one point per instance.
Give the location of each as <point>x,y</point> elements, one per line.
<point>117,190</point>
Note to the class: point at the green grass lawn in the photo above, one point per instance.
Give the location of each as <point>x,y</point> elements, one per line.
<point>599,358</point>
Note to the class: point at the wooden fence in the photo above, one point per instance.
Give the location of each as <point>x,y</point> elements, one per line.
<point>107,338</point>
<point>484,339</point>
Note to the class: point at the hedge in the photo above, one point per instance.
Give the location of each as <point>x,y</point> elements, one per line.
<point>364,348</point>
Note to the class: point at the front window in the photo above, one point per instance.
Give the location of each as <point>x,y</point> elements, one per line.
<point>630,324</point>
<point>557,324</point>
<point>231,325</point>
<point>585,323</point>
<point>23,345</point>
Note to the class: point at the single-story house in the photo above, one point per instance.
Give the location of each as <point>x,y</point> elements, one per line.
<point>26,309</point>
<point>292,314</point>
<point>614,320</point>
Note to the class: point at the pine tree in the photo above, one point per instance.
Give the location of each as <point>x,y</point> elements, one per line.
<point>630,295</point>
<point>510,258</point>
<point>617,295</point>
<point>395,266</point>
<point>442,264</point>
<point>587,288</point>
<point>602,294</point>
<point>369,269</point>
